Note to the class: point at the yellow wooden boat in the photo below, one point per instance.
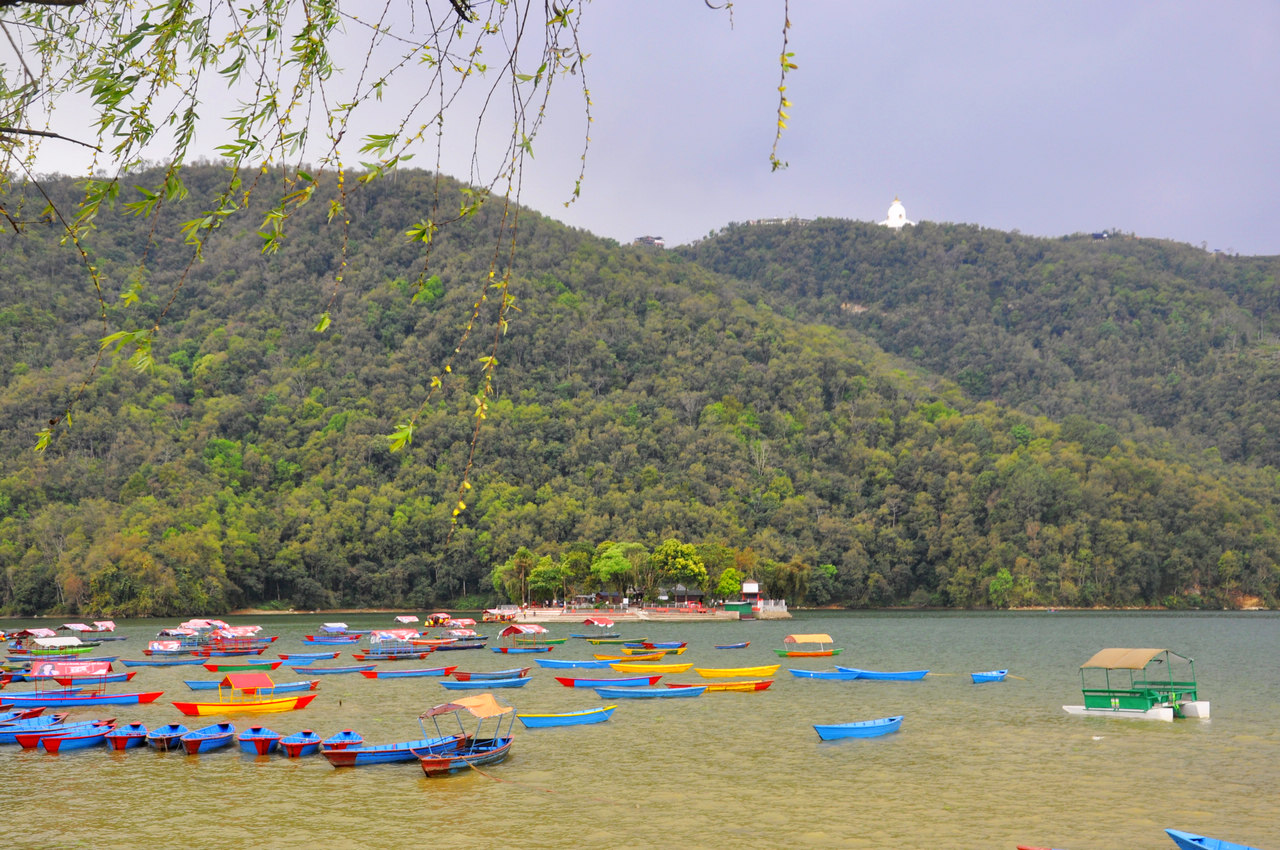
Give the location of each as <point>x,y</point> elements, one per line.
<point>244,693</point>
<point>639,650</point>
<point>653,656</point>
<point>730,672</point>
<point>645,667</point>
<point>745,685</point>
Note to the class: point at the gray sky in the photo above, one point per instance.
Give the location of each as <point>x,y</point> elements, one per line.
<point>1157,118</point>
<point>1048,117</point>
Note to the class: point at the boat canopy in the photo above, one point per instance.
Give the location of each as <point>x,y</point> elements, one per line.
<point>237,631</point>
<point>178,631</point>
<point>602,622</point>
<point>380,635</point>
<point>35,633</point>
<point>164,645</point>
<point>523,629</point>
<point>407,618</point>
<point>58,642</point>
<point>455,622</point>
<point>247,681</point>
<point>818,638</point>
<point>333,627</point>
<point>104,625</point>
<point>54,669</point>
<point>462,632</point>
<point>75,627</point>
<point>1125,659</point>
<point>481,705</point>
<point>202,625</point>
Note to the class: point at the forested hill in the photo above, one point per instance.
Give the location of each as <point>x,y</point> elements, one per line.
<point>640,397</point>
<point>1134,333</point>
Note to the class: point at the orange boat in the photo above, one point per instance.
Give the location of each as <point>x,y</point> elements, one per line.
<point>242,693</point>
<point>822,644</point>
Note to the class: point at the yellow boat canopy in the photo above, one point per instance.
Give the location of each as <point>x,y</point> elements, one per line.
<point>1124,659</point>
<point>482,706</point>
<point>807,639</point>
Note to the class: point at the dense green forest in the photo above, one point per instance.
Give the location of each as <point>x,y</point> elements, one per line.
<point>943,415</point>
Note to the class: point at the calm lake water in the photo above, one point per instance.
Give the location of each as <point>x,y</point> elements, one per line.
<point>974,766</point>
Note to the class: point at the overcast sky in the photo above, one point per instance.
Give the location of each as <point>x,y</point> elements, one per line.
<point>1048,117</point>
<point>1157,118</point>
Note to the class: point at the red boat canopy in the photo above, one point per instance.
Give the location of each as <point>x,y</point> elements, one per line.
<point>75,627</point>
<point>523,629</point>
<point>247,681</point>
<point>602,622</point>
<point>392,634</point>
<point>104,625</point>
<point>53,669</point>
<point>35,633</point>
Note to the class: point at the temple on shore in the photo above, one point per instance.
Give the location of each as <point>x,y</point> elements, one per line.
<point>897,215</point>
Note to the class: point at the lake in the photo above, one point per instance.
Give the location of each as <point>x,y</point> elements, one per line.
<point>974,766</point>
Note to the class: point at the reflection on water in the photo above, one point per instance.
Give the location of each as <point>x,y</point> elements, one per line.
<point>975,766</point>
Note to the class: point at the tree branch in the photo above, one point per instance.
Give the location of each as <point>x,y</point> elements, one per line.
<point>45,133</point>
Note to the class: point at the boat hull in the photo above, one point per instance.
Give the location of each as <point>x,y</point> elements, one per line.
<point>837,675</point>
<point>167,737</point>
<point>886,676</point>
<point>205,709</point>
<point>858,729</point>
<point>209,738</point>
<point>651,693</point>
<point>81,741</point>
<point>616,682</point>
<point>732,672</point>
<point>569,718</point>
<point>406,674</point>
<point>473,684</point>
<point>562,664</point>
<point>307,670</point>
<point>81,700</point>
<point>1194,841</point>
<point>752,685</point>
<point>127,737</point>
<point>258,740</point>
<point>512,673</point>
<point>388,753</point>
<point>474,753</point>
<point>304,743</point>
<point>989,676</point>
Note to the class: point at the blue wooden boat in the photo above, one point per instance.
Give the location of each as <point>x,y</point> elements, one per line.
<point>471,752</point>
<point>1193,841</point>
<point>888,676</point>
<point>476,684</point>
<point>838,675</point>
<point>650,693</point>
<point>475,748</point>
<point>510,673</point>
<point>384,753</point>
<point>568,718</point>
<point>331,640</point>
<point>406,674</point>
<point>166,737</point>
<point>342,740</point>
<point>162,662</point>
<point>516,650</point>
<point>278,687</point>
<point>207,738</point>
<point>30,739</point>
<point>304,743</point>
<point>858,728</point>
<point>609,682</point>
<point>742,645</point>
<point>81,739</point>
<point>560,663</point>
<point>127,736</point>
<point>258,740</point>
<point>989,676</point>
<point>319,671</point>
<point>467,644</point>
<point>76,700</point>
<point>308,657</point>
<point>90,679</point>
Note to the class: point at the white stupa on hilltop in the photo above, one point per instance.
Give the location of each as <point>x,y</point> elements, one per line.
<point>897,215</point>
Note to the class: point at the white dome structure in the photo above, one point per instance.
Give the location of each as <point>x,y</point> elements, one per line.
<point>897,215</point>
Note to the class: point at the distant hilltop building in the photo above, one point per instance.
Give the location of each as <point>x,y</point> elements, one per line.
<point>897,215</point>
<point>651,241</point>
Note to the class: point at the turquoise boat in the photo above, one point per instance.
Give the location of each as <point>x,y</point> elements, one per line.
<point>568,718</point>
<point>651,693</point>
<point>1192,841</point>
